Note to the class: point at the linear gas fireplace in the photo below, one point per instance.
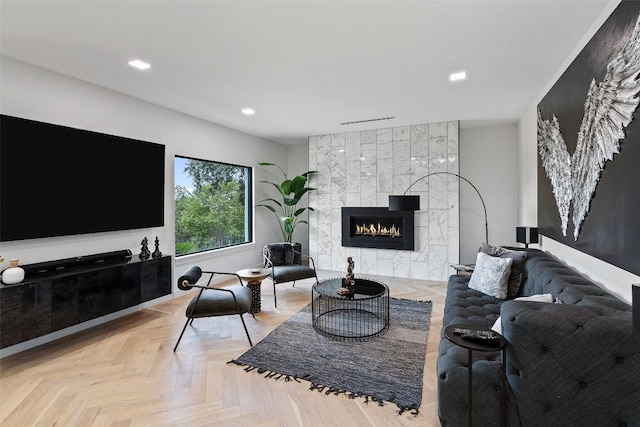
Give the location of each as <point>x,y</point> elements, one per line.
<point>368,227</point>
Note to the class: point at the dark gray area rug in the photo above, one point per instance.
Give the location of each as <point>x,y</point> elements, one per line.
<point>388,368</point>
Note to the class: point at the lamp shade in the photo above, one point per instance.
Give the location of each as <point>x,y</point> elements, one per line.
<point>404,203</point>
<point>635,302</point>
<point>527,235</point>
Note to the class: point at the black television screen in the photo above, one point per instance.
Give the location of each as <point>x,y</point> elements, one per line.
<point>58,181</point>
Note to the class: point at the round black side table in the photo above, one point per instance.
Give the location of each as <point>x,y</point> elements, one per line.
<point>472,346</point>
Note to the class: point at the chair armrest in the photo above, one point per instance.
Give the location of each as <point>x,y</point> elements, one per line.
<point>267,259</point>
<point>305,256</point>
<point>208,287</point>
<point>222,273</point>
<point>186,281</point>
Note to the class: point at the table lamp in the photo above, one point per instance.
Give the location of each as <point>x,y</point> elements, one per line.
<point>527,235</point>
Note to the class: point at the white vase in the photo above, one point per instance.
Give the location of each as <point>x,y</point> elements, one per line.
<point>13,274</point>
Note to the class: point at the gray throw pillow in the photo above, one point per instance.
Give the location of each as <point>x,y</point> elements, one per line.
<point>491,275</point>
<point>517,267</point>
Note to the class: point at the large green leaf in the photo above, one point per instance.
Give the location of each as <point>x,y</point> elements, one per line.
<point>286,187</point>
<point>303,192</point>
<point>288,201</point>
<point>271,208</point>
<point>278,187</point>
<point>262,202</point>
<point>297,185</point>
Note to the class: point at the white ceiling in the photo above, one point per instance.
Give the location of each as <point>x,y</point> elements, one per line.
<point>306,66</point>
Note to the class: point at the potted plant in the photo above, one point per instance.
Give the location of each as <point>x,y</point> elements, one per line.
<point>286,210</point>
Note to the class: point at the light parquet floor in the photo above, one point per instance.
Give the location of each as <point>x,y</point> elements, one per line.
<point>125,373</point>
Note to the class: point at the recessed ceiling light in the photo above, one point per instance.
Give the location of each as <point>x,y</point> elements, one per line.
<point>458,76</point>
<point>248,111</point>
<point>140,65</point>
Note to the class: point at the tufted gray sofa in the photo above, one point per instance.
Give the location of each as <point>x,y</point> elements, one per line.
<point>570,364</point>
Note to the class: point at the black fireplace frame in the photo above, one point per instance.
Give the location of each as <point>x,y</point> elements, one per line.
<point>406,242</point>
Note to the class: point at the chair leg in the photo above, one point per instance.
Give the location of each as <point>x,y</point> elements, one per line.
<point>245,330</point>
<point>275,300</point>
<point>181,333</point>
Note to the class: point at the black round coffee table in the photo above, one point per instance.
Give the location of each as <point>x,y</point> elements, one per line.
<point>359,316</point>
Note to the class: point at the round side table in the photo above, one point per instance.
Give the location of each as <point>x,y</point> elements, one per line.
<point>254,278</point>
<point>472,346</point>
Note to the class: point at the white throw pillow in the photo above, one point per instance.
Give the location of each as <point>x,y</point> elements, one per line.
<point>538,297</point>
<point>497,326</point>
<point>491,275</point>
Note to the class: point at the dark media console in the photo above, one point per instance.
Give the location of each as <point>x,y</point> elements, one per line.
<point>58,294</point>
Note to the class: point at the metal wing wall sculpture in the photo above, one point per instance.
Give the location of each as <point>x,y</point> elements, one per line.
<point>608,109</point>
<point>557,163</point>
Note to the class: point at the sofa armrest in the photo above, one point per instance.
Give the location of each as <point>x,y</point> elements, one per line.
<point>572,365</point>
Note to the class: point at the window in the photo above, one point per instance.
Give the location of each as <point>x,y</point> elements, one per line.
<point>213,205</point>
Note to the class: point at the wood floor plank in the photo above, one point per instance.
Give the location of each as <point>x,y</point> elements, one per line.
<point>125,374</point>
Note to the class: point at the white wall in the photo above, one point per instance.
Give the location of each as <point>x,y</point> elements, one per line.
<point>614,279</point>
<point>299,163</point>
<point>38,94</point>
<point>487,159</point>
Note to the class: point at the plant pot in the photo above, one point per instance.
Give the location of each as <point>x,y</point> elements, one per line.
<point>297,258</point>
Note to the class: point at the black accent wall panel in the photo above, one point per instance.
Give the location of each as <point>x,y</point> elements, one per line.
<point>611,229</point>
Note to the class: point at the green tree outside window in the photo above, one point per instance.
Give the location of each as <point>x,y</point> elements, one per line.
<point>212,205</point>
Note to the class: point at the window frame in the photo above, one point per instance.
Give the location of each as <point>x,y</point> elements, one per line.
<point>249,214</point>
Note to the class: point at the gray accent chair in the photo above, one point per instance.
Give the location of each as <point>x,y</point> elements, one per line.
<point>211,301</point>
<point>286,264</point>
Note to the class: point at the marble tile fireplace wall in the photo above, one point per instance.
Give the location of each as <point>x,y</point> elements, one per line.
<point>361,169</point>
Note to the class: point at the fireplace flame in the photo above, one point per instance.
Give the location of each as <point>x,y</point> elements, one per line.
<point>372,230</point>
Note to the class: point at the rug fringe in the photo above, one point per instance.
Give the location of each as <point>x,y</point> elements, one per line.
<point>323,388</point>
<point>353,395</point>
<point>269,374</point>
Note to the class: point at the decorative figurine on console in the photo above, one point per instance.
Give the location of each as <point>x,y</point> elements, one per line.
<point>349,280</point>
<point>144,251</point>
<point>157,253</point>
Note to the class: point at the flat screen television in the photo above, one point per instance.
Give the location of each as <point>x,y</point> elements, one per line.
<point>59,181</point>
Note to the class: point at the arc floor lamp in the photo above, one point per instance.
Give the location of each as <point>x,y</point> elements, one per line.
<point>411,202</point>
